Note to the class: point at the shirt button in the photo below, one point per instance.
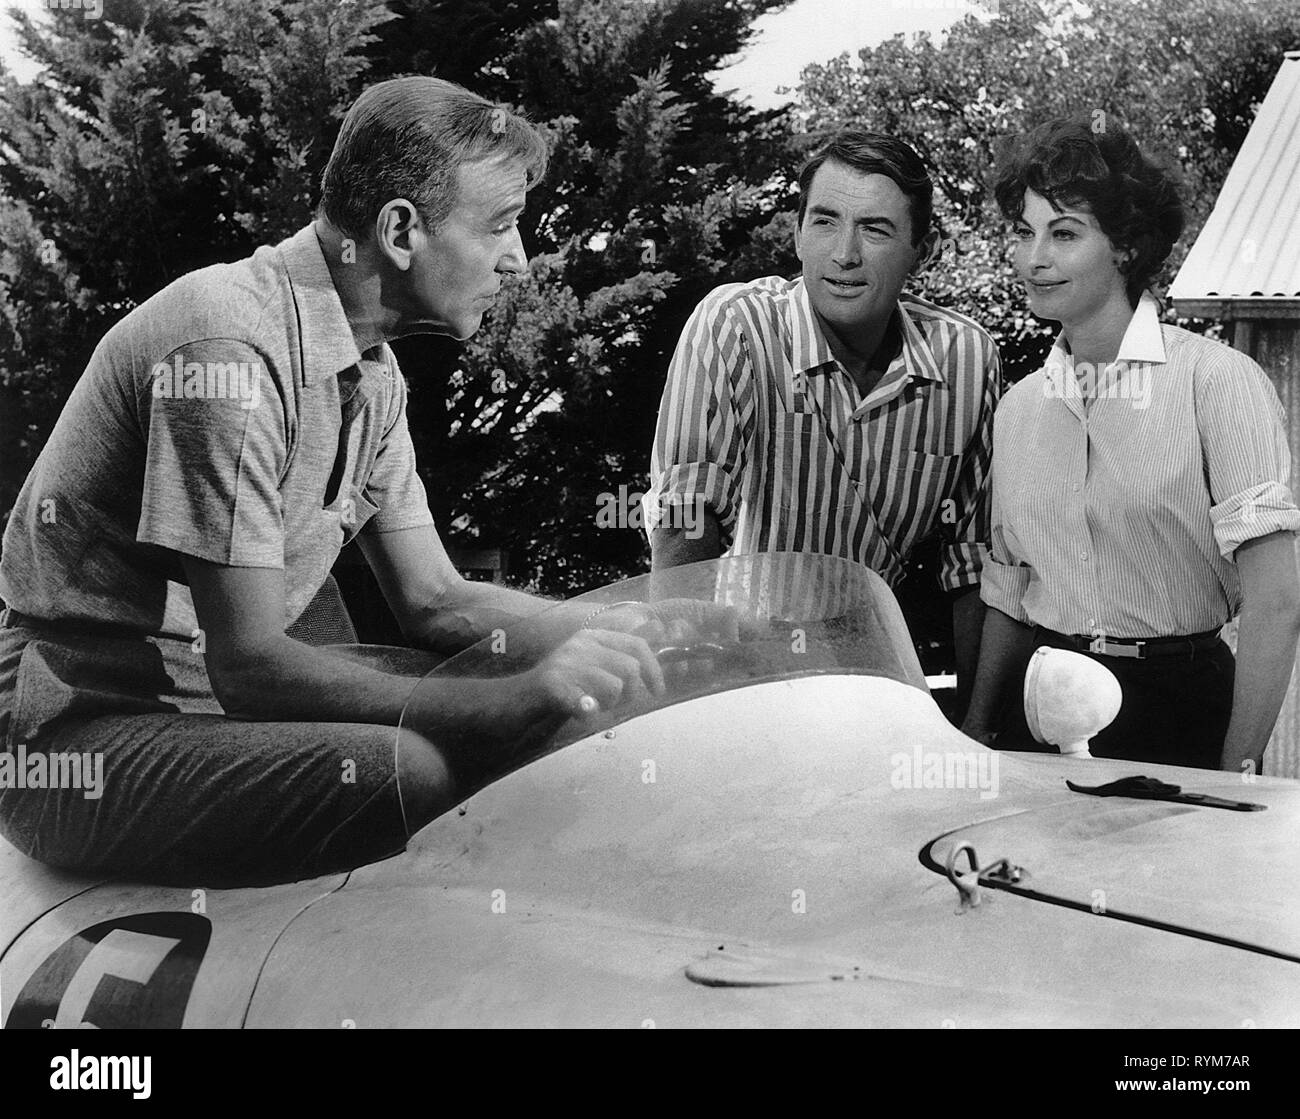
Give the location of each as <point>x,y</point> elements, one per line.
<point>1083,556</point>
<point>1075,487</point>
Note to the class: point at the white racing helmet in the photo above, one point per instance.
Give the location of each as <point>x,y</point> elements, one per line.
<point>1069,698</point>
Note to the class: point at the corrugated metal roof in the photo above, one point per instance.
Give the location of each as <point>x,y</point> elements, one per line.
<point>1250,246</point>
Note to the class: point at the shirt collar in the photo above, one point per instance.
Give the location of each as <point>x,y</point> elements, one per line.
<point>1142,341</point>
<point>811,351</point>
<point>809,348</point>
<point>328,345</point>
<point>917,354</point>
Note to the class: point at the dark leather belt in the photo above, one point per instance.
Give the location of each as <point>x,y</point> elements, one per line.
<point>1135,648</point>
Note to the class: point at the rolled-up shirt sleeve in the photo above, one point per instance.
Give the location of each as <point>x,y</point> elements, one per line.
<point>698,455</point>
<point>1005,577</point>
<point>1247,460</point>
<point>966,548</point>
<point>1003,586</point>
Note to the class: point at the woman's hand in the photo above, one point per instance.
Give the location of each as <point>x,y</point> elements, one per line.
<point>982,734</point>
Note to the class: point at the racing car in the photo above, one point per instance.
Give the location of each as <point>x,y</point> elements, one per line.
<point>791,834</point>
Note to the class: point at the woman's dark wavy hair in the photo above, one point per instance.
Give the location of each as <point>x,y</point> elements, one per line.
<point>1136,199</point>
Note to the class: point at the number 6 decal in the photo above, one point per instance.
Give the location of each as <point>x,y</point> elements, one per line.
<point>129,973</point>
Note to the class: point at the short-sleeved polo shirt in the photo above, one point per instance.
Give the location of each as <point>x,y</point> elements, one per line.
<point>230,417</point>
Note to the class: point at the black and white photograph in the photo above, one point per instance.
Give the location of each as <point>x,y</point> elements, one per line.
<point>651,514</point>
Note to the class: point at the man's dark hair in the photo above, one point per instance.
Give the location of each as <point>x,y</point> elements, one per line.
<point>407,138</point>
<point>1135,198</point>
<point>873,153</point>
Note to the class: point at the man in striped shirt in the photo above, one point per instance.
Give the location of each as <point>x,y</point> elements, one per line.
<point>833,413</point>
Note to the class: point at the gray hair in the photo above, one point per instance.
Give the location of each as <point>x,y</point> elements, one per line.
<point>407,138</point>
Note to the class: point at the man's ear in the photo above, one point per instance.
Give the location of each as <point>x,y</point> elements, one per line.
<point>798,238</point>
<point>928,251</point>
<point>398,232</point>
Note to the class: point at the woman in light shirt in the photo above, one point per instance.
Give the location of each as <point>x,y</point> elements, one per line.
<point>1140,478</point>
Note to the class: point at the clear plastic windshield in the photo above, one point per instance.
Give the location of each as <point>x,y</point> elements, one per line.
<point>537,685</point>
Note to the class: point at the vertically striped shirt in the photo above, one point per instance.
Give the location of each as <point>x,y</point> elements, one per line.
<point>762,424</point>
<point>1120,497</point>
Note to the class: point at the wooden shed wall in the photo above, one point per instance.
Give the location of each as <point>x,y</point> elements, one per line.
<point>1275,344</point>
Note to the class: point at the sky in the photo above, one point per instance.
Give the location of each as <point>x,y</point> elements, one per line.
<point>807,31</point>
<point>819,30</point>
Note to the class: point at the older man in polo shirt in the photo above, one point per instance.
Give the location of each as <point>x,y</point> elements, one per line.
<point>228,437</point>
<point>832,413</point>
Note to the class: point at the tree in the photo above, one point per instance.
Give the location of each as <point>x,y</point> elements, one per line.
<point>658,190</point>
<point>161,138</point>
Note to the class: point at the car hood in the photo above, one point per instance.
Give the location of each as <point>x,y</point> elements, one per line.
<point>754,857</point>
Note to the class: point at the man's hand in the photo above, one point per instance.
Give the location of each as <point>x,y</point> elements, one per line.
<point>484,727</point>
<point>593,670</point>
<point>670,621</point>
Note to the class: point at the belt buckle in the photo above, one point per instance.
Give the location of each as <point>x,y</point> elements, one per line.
<point>1109,649</point>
